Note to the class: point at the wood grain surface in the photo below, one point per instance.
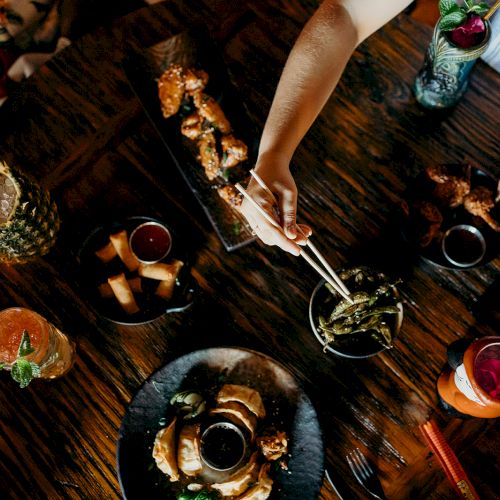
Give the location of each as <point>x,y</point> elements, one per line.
<point>78,128</point>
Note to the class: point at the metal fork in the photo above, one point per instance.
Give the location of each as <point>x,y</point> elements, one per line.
<point>365,474</point>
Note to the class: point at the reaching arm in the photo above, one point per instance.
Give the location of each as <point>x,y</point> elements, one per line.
<point>311,73</point>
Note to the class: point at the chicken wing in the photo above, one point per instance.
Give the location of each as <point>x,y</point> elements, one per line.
<point>195,80</point>
<point>452,192</point>
<point>211,111</point>
<point>208,156</point>
<point>480,202</point>
<point>234,151</point>
<point>171,89</point>
<point>230,195</point>
<point>192,126</point>
<point>427,220</point>
<point>451,188</point>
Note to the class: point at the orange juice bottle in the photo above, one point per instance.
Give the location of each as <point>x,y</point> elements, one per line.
<point>53,351</point>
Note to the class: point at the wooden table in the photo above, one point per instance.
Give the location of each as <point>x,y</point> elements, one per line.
<point>77,126</point>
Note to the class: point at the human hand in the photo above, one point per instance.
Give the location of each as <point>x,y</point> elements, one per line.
<point>280,204</point>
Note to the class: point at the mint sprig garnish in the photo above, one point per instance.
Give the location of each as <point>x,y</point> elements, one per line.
<point>454,15</point>
<point>25,345</point>
<point>24,371</point>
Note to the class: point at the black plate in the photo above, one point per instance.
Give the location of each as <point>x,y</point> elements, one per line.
<point>421,188</point>
<point>206,370</point>
<point>197,51</point>
<point>93,272</point>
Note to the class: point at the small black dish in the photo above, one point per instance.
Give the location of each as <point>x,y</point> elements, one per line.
<point>93,272</point>
<point>463,245</point>
<point>355,346</point>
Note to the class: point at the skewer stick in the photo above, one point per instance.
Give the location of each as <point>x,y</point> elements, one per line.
<point>309,243</point>
<point>309,260</point>
<point>492,10</point>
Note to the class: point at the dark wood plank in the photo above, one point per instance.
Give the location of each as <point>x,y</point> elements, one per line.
<point>78,127</point>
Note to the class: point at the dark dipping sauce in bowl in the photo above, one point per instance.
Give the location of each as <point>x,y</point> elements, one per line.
<point>150,242</point>
<point>464,245</point>
<point>222,446</point>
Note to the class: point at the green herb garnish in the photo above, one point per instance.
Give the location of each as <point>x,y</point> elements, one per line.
<point>198,495</point>
<point>236,228</point>
<point>454,15</point>
<point>24,371</point>
<point>225,174</point>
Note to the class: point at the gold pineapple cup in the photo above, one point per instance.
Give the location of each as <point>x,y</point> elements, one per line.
<point>28,218</point>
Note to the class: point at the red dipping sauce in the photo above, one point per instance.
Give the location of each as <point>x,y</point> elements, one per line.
<point>150,242</point>
<point>464,245</point>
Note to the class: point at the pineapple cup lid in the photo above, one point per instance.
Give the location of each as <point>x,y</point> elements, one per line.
<point>9,193</point>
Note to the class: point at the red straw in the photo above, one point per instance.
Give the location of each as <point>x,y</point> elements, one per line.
<point>449,461</point>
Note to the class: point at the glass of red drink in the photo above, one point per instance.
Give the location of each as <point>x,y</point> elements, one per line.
<point>470,384</point>
<point>54,352</point>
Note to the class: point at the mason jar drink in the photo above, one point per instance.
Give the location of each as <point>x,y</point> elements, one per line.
<point>54,352</point>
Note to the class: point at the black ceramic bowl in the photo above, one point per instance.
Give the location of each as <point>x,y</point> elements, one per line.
<point>93,272</point>
<point>358,345</point>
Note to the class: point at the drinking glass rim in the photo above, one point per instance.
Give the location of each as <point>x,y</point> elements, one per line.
<point>44,331</point>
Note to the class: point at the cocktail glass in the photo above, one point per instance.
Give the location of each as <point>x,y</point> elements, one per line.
<point>54,351</point>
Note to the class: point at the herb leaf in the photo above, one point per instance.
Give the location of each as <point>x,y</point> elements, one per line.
<point>479,9</point>
<point>2,365</point>
<point>25,345</point>
<point>452,20</point>
<point>454,15</point>
<point>22,372</point>
<point>445,6</point>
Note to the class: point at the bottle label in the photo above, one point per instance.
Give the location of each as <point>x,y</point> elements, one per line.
<point>464,386</point>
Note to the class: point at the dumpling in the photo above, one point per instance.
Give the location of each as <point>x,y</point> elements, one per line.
<point>262,489</point>
<point>164,451</point>
<point>238,414</point>
<point>188,451</point>
<point>240,480</point>
<point>244,395</point>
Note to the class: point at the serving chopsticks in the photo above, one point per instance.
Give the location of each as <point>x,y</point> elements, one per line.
<point>327,273</point>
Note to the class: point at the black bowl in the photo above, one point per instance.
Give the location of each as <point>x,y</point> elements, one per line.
<point>356,346</point>
<point>93,272</point>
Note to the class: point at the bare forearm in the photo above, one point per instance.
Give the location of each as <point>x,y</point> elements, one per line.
<point>311,73</point>
<point>315,66</point>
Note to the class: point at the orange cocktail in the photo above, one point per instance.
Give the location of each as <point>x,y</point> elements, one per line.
<point>54,352</point>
